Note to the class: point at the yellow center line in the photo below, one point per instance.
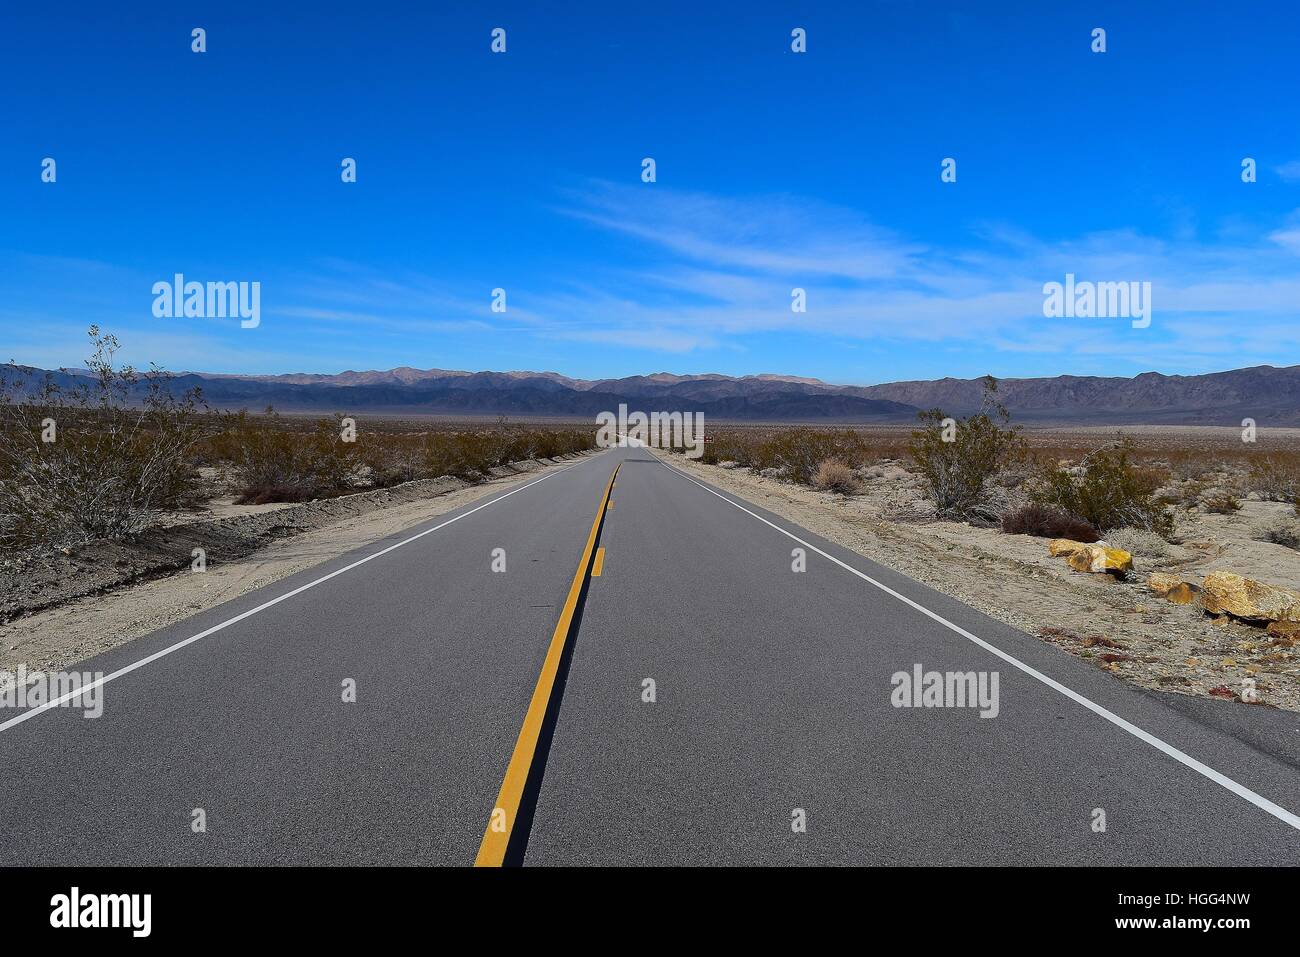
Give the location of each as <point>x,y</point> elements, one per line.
<point>496,838</point>
<point>597,568</point>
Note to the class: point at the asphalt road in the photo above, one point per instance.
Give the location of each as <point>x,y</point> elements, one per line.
<point>510,716</point>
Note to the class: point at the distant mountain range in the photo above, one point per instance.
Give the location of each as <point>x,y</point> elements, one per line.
<point>1269,395</point>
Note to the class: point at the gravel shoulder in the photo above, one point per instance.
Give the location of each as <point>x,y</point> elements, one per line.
<point>1121,626</point>
<point>56,610</point>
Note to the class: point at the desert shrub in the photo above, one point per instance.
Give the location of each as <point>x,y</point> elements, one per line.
<point>458,454</point>
<point>729,447</point>
<point>1275,478</point>
<point>800,452</point>
<point>1222,503</point>
<point>1188,494</point>
<point>957,458</point>
<point>1286,533</point>
<point>794,451</point>
<point>1012,478</point>
<point>273,461</point>
<point>1107,490</point>
<point>1047,521</point>
<point>469,455</point>
<point>1137,541</point>
<point>1187,465</point>
<point>832,475</point>
<point>98,459</point>
<point>393,459</point>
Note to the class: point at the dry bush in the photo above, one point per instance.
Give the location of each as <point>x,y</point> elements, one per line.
<point>1286,533</point>
<point>1185,465</point>
<point>1139,542</point>
<point>796,452</point>
<point>1188,494</point>
<point>834,476</point>
<point>393,459</point>
<point>278,460</point>
<point>1046,521</point>
<point>121,452</point>
<point>274,461</point>
<point>730,446</point>
<point>980,447</point>
<point>1107,490</point>
<point>472,454</point>
<point>800,452</point>
<point>1275,477</point>
<point>1222,503</point>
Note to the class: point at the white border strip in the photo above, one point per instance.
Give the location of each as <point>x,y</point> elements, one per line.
<point>33,712</point>
<point>1281,813</point>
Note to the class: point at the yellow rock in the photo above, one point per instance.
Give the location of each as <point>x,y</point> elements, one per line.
<point>1160,583</point>
<point>1284,627</point>
<point>1227,593</point>
<point>1172,588</point>
<point>1098,558</point>
<point>1063,546</point>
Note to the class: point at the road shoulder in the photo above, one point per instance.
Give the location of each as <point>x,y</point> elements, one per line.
<point>79,628</point>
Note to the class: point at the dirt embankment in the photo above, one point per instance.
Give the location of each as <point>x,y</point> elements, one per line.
<point>1120,625</point>
<point>60,608</point>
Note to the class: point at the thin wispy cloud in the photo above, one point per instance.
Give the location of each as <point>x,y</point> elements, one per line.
<point>1289,171</point>
<point>728,265</point>
<point>684,274</point>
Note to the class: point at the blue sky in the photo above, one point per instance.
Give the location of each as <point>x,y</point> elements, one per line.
<point>775,170</point>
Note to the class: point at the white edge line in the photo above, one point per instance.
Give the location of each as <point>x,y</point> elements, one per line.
<point>33,712</point>
<point>1261,802</point>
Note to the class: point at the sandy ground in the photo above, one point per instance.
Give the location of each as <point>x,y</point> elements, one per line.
<point>1120,625</point>
<point>68,631</point>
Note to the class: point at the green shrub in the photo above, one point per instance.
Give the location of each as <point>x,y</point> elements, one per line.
<point>800,451</point>
<point>957,458</point>
<point>1107,490</point>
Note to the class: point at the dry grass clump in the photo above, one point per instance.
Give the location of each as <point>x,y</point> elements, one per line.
<point>832,475</point>
<point>1139,542</point>
<point>97,459</point>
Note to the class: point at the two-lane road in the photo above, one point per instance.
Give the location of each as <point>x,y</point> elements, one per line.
<point>698,700</point>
